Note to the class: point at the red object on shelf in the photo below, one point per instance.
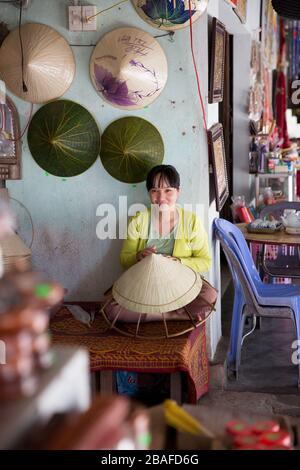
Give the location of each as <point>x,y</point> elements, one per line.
<point>246,441</point>
<point>280,438</point>
<point>250,214</point>
<point>263,427</point>
<point>238,428</point>
<point>244,215</point>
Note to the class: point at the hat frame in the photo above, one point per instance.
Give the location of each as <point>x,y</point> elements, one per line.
<point>193,324</point>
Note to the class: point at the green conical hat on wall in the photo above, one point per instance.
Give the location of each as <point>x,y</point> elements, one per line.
<point>64,138</point>
<point>130,147</point>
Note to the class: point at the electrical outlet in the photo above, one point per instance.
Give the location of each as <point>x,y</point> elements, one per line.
<point>75,18</point>
<point>89,25</point>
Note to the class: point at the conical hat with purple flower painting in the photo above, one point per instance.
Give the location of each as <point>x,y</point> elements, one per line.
<point>128,68</point>
<point>170,14</point>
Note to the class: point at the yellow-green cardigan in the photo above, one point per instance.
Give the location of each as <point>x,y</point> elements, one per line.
<point>191,245</point>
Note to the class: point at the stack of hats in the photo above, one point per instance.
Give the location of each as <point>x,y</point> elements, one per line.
<point>24,346</point>
<point>14,251</point>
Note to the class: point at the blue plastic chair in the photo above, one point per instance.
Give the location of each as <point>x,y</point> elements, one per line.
<point>252,297</point>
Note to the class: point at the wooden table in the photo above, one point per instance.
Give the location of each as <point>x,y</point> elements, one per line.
<point>183,357</point>
<point>277,238</point>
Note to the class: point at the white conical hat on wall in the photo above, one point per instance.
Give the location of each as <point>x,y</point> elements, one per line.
<point>49,65</point>
<point>157,285</point>
<point>128,68</point>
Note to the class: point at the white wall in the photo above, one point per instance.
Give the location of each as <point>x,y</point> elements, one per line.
<point>64,211</point>
<point>214,330</point>
<point>241,76</point>
<point>241,84</point>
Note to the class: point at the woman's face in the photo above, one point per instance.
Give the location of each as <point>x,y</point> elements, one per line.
<point>163,194</point>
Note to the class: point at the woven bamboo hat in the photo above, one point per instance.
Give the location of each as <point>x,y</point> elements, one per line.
<point>49,65</point>
<point>128,68</point>
<point>156,285</point>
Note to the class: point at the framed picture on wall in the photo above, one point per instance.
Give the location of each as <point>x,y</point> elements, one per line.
<point>241,10</point>
<point>218,162</point>
<point>217,63</point>
<point>10,142</point>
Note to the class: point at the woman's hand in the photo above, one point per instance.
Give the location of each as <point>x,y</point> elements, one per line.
<point>146,252</point>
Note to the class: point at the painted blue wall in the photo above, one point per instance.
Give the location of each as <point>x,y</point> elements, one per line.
<point>64,212</point>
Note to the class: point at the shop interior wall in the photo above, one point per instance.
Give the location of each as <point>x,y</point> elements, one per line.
<point>241,179</point>
<point>64,210</point>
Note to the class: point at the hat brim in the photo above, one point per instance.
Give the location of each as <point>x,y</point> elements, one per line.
<point>180,302</point>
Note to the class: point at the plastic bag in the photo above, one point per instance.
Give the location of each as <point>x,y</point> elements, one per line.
<point>81,315</point>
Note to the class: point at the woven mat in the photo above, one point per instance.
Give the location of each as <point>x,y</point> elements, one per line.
<point>111,350</point>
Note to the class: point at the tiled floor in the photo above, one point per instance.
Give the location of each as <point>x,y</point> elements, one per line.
<point>267,381</point>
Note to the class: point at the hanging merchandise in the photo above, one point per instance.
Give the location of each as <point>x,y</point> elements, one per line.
<point>233,3</point>
<point>281,92</point>
<point>256,86</point>
<point>41,67</point>
<point>169,14</point>
<point>269,35</point>
<point>281,100</point>
<point>64,138</point>
<point>256,102</point>
<point>130,147</point>
<point>128,68</point>
<point>267,114</point>
<point>241,10</point>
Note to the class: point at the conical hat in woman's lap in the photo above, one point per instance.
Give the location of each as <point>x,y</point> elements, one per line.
<point>157,285</point>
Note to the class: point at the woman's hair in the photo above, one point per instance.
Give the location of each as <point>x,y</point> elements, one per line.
<point>166,173</point>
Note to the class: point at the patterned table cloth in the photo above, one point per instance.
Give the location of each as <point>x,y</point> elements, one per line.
<point>111,350</point>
